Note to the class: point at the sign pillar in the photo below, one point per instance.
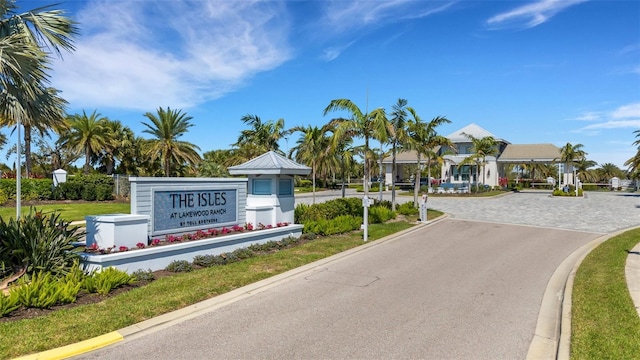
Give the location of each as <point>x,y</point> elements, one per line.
<point>423,207</point>
<point>366,202</point>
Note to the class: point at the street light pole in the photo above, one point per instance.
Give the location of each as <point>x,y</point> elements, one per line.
<point>18,170</point>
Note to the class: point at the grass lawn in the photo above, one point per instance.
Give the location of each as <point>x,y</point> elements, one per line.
<point>71,211</point>
<point>604,321</point>
<point>66,326</point>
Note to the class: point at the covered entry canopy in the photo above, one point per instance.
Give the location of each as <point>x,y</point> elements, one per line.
<point>529,153</point>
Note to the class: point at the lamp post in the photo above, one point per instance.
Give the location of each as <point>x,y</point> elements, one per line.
<point>18,170</point>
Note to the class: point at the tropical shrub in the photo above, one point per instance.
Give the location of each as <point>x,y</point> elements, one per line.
<point>104,281</point>
<point>9,303</point>
<point>380,214</point>
<point>407,209</point>
<point>39,242</point>
<point>337,225</point>
<point>328,210</point>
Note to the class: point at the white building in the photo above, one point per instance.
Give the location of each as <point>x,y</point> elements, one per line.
<point>457,167</point>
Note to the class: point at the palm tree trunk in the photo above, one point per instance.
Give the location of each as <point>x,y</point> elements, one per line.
<point>416,184</point>
<point>393,179</point>
<point>27,150</point>
<point>87,159</point>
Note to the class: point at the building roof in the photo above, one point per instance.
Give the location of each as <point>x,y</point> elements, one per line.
<point>474,130</point>
<point>407,157</point>
<point>519,153</point>
<point>270,163</point>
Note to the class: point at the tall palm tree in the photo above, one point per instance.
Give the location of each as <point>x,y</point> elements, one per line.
<point>583,168</point>
<point>398,137</point>
<point>27,41</point>
<point>481,148</point>
<point>343,152</point>
<point>607,171</point>
<point>423,138</point>
<point>365,125</point>
<point>311,148</point>
<point>569,154</point>
<point>86,133</point>
<point>167,126</point>
<point>262,135</point>
<point>634,162</point>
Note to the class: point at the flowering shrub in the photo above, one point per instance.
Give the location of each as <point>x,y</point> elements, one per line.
<point>198,235</point>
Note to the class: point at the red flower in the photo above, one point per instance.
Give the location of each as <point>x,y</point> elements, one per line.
<point>140,245</point>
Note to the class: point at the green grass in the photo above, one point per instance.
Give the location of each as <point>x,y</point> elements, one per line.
<point>604,321</point>
<point>71,211</point>
<point>63,327</point>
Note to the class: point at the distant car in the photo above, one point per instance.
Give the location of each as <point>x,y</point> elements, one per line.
<point>424,181</point>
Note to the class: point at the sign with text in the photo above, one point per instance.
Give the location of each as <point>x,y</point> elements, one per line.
<point>184,210</point>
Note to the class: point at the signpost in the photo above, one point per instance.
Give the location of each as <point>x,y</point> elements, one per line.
<point>423,207</point>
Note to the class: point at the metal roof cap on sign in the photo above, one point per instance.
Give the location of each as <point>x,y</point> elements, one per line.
<point>270,163</point>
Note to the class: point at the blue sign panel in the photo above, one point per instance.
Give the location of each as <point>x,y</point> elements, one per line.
<point>183,210</point>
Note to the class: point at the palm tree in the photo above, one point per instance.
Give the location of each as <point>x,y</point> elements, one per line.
<point>399,136</point>
<point>342,152</point>
<point>262,135</point>
<point>481,148</point>
<point>634,162</point>
<point>366,125</point>
<point>26,43</point>
<point>569,154</point>
<point>167,126</point>
<point>86,133</point>
<point>311,148</point>
<point>423,138</point>
<point>583,169</point>
<point>607,171</point>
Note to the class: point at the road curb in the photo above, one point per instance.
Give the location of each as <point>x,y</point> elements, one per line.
<point>77,348</point>
<point>165,320</point>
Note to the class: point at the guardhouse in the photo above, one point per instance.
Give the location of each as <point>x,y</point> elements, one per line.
<point>270,197</point>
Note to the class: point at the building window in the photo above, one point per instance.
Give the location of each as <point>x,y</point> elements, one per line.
<point>285,187</point>
<point>261,187</point>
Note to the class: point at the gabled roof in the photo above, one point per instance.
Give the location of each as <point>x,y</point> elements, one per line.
<point>270,163</point>
<point>473,130</point>
<point>522,153</point>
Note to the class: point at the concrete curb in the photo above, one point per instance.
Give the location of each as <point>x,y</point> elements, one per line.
<point>77,348</point>
<point>552,337</point>
<point>163,321</point>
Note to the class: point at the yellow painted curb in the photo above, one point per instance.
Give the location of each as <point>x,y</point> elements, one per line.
<point>77,348</point>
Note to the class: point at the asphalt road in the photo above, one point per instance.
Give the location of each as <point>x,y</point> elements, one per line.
<point>459,288</point>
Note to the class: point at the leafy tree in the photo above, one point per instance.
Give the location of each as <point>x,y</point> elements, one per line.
<point>365,125</point>
<point>167,126</point>
<point>213,164</point>
<point>87,133</point>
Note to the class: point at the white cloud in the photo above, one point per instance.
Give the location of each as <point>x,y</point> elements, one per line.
<point>589,116</point>
<point>341,16</point>
<point>145,54</point>
<point>613,124</point>
<point>627,111</point>
<point>623,117</point>
<point>531,15</point>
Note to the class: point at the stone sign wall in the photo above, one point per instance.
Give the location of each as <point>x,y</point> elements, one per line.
<point>177,205</point>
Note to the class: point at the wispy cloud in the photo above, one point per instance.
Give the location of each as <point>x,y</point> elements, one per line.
<point>354,17</point>
<point>589,116</point>
<point>201,50</point>
<point>623,117</point>
<point>531,15</point>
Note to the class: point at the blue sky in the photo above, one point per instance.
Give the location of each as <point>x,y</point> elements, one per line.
<point>529,72</point>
